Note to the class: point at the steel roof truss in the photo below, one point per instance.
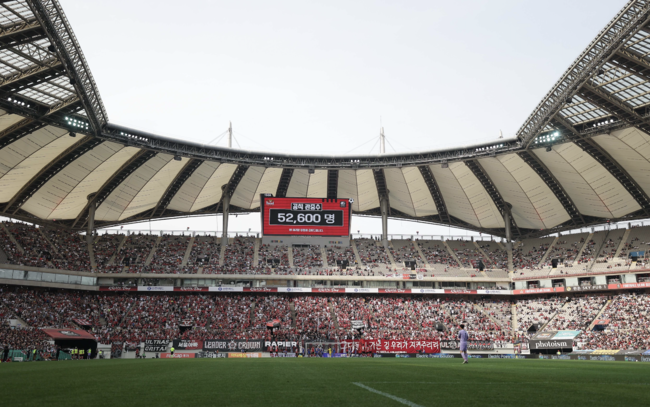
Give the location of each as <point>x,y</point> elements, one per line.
<point>553,184</point>
<point>492,190</point>
<point>182,176</point>
<point>54,167</point>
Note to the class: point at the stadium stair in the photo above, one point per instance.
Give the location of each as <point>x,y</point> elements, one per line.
<point>602,246</point>
<point>356,252</point>
<point>128,311</point>
<point>485,256</point>
<point>188,251</point>
<point>626,236</point>
<point>91,252</point>
<point>410,312</point>
<point>452,253</point>
<point>424,259</point>
<point>222,255</point>
<point>333,316</point>
<point>389,254</point>
<point>513,311</point>
<point>54,250</point>
<point>153,251</point>
<point>111,261</point>
<point>488,262</point>
<point>554,271</point>
<point>481,310</point>
<point>256,252</point>
<point>12,238</point>
<point>20,320</point>
<point>323,255</point>
<point>292,308</point>
<point>290,256</point>
<point>550,248</point>
<point>591,325</point>
<point>579,256</point>
<point>566,304</point>
<point>251,314</point>
<point>3,257</point>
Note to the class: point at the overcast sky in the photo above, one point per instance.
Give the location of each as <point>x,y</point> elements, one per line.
<point>322,77</point>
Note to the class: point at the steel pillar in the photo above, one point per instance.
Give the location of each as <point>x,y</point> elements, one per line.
<point>506,219</point>
<point>383,204</point>
<point>225,211</point>
<point>91,225</point>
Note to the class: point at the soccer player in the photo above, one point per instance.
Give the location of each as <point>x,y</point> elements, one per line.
<point>464,338</point>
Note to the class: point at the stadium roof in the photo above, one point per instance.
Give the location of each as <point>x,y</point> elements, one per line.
<point>581,158</point>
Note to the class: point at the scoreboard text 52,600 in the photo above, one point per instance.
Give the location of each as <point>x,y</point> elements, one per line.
<point>305,216</point>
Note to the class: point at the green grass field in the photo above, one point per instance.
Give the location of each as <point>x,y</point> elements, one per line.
<point>325,382</point>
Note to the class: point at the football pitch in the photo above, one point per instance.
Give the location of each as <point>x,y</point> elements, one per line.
<point>325,382</point>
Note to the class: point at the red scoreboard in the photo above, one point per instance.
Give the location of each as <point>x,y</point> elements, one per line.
<point>305,216</point>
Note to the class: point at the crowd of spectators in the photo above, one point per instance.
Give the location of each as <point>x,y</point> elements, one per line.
<point>436,253</point>
<point>70,250</point>
<point>169,254</point>
<point>205,254</point>
<point>104,248</point>
<point>567,248</point>
<point>467,253</point>
<point>238,257</point>
<point>134,252</point>
<point>53,248</point>
<point>529,254</point>
<point>13,254</point>
<point>372,253</point>
<point>535,311</point>
<point>497,257</point>
<point>37,250</point>
<point>577,313</point>
<point>309,257</point>
<point>314,317</point>
<point>625,323</point>
<point>337,255</point>
<point>403,251</point>
<point>133,318</point>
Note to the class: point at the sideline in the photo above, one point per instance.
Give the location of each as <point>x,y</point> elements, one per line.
<point>390,396</point>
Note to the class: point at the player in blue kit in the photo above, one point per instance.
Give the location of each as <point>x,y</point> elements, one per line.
<point>463,336</point>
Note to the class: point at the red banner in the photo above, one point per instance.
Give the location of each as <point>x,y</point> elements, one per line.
<point>192,289</point>
<point>392,346</point>
<point>328,290</point>
<point>68,334</point>
<point>395,290</point>
<point>104,288</point>
<point>628,285</point>
<point>81,322</point>
<point>539,290</point>
<point>459,291</point>
<point>260,290</point>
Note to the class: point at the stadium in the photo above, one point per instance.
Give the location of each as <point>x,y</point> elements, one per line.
<point>552,287</point>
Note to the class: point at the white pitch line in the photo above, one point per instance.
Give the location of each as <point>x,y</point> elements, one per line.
<point>510,383</point>
<point>390,396</point>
